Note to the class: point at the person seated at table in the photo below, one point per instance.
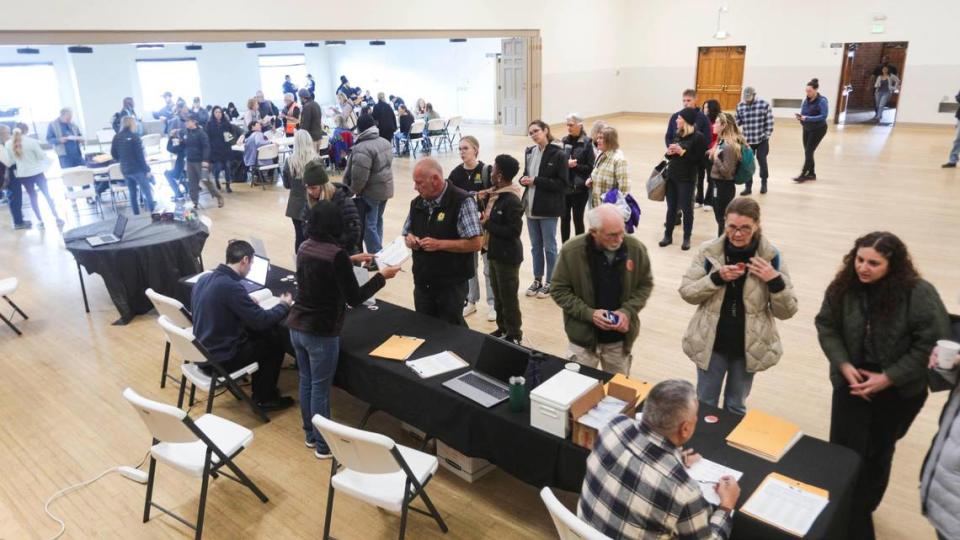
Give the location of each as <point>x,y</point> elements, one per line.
<point>325,285</point>
<point>405,119</point>
<point>252,114</point>
<point>252,142</point>
<point>443,230</point>
<point>236,331</point>
<point>428,115</point>
<point>232,112</point>
<point>320,188</point>
<point>502,219</point>
<point>195,146</point>
<point>127,148</point>
<point>636,484</point>
<point>600,275</point>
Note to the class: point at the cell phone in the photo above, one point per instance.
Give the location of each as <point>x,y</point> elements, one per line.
<point>611,317</point>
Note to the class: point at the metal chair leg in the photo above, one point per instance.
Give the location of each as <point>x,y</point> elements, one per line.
<point>10,324</point>
<point>433,509</point>
<point>329,515</point>
<point>16,308</point>
<point>166,361</point>
<point>404,509</point>
<point>151,476</point>
<point>210,394</point>
<point>193,393</point>
<point>183,387</point>
<point>203,495</point>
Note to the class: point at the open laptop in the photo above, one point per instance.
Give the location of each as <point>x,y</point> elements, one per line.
<point>257,278</point>
<point>487,382</point>
<point>103,239</point>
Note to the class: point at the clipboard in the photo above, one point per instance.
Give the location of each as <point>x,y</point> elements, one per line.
<point>398,348</point>
<point>822,497</point>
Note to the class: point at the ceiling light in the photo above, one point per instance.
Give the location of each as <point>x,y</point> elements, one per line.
<point>193,47</point>
<point>458,40</point>
<point>80,49</point>
<point>147,46</point>
<point>311,44</point>
<point>378,42</point>
<point>332,42</point>
<point>256,45</point>
<point>28,50</point>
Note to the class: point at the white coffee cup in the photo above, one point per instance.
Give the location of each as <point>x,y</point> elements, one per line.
<point>947,352</point>
<point>573,366</point>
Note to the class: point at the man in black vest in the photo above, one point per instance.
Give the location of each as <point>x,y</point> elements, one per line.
<point>443,230</point>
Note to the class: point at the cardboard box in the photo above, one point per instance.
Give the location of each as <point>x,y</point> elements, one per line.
<point>620,387</point>
<point>468,468</point>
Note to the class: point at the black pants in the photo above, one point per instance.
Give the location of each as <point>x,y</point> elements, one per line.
<point>505,280</point>
<point>680,197</point>
<point>811,140</point>
<point>703,174</point>
<point>726,191</point>
<point>298,235</point>
<point>266,349</point>
<point>576,202</point>
<point>761,150</point>
<point>444,302</point>
<point>871,429</point>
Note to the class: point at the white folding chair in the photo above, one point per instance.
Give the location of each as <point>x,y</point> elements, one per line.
<point>194,355</point>
<point>569,526</point>
<point>416,135</point>
<point>151,143</point>
<point>81,184</point>
<point>197,448</point>
<point>173,310</point>
<point>378,471</point>
<point>435,129</point>
<point>266,152</point>
<point>118,183</point>
<point>452,130</point>
<point>7,287</point>
<point>105,137</point>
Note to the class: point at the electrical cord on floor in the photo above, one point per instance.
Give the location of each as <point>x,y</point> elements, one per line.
<point>199,401</point>
<point>75,487</point>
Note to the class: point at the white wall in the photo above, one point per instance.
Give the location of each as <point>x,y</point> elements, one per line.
<point>458,78</point>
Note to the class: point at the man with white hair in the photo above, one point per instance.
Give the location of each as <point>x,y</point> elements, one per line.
<point>601,281</point>
<point>290,115</point>
<point>637,485</point>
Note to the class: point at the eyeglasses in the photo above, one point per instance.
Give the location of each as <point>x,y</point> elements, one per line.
<point>746,229</point>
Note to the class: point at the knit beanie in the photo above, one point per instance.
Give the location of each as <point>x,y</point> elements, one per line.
<point>689,115</point>
<point>365,122</point>
<point>315,174</point>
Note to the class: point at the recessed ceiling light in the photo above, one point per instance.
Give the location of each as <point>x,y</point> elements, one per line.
<point>378,42</point>
<point>332,42</point>
<point>150,46</point>
<point>28,50</point>
<point>193,47</point>
<point>311,44</point>
<point>256,45</point>
<point>458,40</point>
<point>80,49</point>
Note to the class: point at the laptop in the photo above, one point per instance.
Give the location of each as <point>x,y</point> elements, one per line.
<point>257,278</point>
<point>487,382</point>
<point>103,239</point>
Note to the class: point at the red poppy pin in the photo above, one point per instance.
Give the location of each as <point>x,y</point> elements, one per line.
<point>629,265</point>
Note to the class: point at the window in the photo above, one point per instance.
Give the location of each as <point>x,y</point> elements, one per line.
<point>274,67</point>
<point>30,93</point>
<point>179,76</point>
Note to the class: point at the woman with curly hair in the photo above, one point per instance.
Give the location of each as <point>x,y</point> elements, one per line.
<point>877,325</point>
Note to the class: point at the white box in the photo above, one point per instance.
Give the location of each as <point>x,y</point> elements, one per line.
<point>468,468</point>
<point>550,402</point>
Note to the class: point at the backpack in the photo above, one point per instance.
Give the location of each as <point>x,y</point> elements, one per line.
<point>747,166</point>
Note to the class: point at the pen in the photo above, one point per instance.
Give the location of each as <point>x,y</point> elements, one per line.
<point>708,482</point>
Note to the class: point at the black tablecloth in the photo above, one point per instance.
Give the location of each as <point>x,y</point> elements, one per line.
<point>150,255</point>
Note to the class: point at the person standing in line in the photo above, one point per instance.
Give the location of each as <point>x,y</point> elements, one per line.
<point>602,281</point>
<point>196,152</point>
<point>725,157</point>
<point>740,286</point>
<point>127,109</point>
<point>370,177</point>
<point>127,148</point>
<point>755,118</point>
<point>610,168</point>
<point>443,230</point>
<point>346,111</point>
<point>955,151</point>
<point>884,87</point>
<point>31,161</point>
<point>320,188</point>
<point>326,284</point>
<point>578,148</point>
<point>10,184</point>
<point>474,177</point>
<point>684,156</point>
<point>940,473</point>
<point>65,138</point>
<point>813,117</point>
<point>289,87</point>
<point>311,117</point>
<point>711,109</point>
<point>701,124</point>
<point>545,182</point>
<point>290,115</point>
<point>198,110</point>
<point>877,325</point>
<point>502,219</point>
<point>302,154</point>
<point>222,136</point>
<point>386,120</point>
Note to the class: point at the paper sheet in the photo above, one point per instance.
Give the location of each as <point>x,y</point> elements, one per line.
<point>790,508</point>
<point>436,364</point>
<point>707,473</point>
<point>393,254</point>
<point>193,279</point>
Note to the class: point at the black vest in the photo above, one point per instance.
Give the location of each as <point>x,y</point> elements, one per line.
<point>439,267</point>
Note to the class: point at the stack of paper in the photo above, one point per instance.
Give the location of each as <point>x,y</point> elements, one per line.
<point>397,347</point>
<point>603,412</point>
<point>786,504</point>
<point>764,435</point>
<point>436,364</point>
<point>393,254</point>
<point>264,298</point>
<point>708,473</point>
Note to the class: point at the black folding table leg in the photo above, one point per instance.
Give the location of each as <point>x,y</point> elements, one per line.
<point>10,324</point>
<point>83,288</point>
<point>370,410</point>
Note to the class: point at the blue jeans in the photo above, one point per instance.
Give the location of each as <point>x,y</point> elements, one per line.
<point>15,199</point>
<point>173,177</point>
<point>543,244</point>
<point>317,358</point>
<point>139,180</point>
<point>955,151</point>
<point>373,223</point>
<point>405,137</point>
<point>738,383</point>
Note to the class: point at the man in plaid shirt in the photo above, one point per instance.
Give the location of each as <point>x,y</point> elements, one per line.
<point>637,484</point>
<point>755,118</point>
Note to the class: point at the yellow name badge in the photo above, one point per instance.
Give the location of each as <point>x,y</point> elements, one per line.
<point>440,216</point>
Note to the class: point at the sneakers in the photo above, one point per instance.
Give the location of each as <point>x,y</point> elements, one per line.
<point>544,291</point>
<point>323,453</point>
<point>949,165</point>
<point>492,315</point>
<point>278,404</point>
<point>40,224</point>
<point>534,288</point>
<point>469,309</point>
<point>310,444</point>
<point>24,225</point>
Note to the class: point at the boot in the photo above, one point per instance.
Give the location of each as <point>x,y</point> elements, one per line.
<point>228,187</point>
<point>686,243</point>
<point>763,186</point>
<point>747,189</point>
<point>667,239</point>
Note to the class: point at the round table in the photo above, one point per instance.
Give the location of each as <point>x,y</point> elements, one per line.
<point>150,255</point>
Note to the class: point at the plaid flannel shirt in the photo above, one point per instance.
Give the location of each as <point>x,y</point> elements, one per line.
<point>637,487</point>
<point>755,120</point>
<point>468,220</point>
<point>609,171</point>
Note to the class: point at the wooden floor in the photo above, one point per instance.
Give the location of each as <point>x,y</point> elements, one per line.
<point>64,421</point>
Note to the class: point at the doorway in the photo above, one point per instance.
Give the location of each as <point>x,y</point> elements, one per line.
<point>720,75</point>
<point>857,96</point>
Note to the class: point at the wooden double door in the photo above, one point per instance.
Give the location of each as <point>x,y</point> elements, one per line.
<point>720,75</point>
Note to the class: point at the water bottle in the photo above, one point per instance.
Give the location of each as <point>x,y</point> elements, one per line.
<point>518,394</point>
